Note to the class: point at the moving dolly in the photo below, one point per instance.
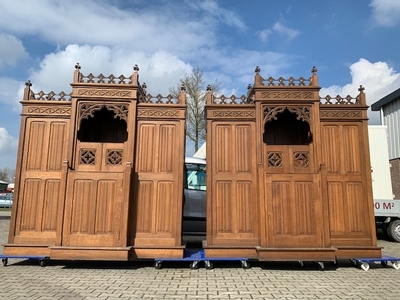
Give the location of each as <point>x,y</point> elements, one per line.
<point>365,262</point>
<point>195,256</point>
<point>4,259</point>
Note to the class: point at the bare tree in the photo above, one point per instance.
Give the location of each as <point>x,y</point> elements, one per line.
<point>196,101</point>
<point>7,175</point>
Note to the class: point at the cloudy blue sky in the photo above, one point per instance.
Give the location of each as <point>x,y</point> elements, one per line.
<point>351,42</point>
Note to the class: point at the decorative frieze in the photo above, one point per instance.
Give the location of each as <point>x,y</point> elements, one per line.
<point>109,93</point>
<point>287,95</point>
<point>158,113</point>
<point>233,114</point>
<point>340,114</point>
<point>49,110</point>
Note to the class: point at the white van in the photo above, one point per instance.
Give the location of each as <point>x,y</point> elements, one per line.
<point>194,208</point>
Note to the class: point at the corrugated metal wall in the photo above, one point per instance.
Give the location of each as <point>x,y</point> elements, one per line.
<point>391,114</point>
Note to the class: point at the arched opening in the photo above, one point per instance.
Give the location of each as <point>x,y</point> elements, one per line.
<point>286,130</point>
<point>103,127</point>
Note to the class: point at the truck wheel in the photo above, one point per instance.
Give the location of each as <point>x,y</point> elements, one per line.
<point>385,231</point>
<point>394,230</point>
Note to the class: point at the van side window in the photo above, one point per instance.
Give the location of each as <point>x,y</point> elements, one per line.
<point>196,176</point>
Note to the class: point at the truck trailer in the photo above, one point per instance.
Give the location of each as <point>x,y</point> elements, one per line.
<point>387,209</point>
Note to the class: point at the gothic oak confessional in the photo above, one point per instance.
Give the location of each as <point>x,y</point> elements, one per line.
<point>288,174</point>
<point>100,173</point>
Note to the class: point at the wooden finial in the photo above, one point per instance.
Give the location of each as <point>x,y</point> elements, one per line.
<point>314,70</point>
<point>27,90</point>
<point>135,75</point>
<point>314,76</point>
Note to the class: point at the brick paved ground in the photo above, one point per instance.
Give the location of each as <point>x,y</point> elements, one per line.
<point>23,279</point>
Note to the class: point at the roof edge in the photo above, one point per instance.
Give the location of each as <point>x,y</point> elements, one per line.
<point>386,100</point>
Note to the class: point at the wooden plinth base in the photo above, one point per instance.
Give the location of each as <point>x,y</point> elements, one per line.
<point>26,250</point>
<point>358,251</point>
<point>229,251</point>
<point>90,253</point>
<point>138,252</point>
<point>296,254</point>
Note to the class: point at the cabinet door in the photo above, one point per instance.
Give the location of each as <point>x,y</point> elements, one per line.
<point>293,211</point>
<point>93,207</point>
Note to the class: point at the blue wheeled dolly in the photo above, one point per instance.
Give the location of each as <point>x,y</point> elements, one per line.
<point>384,260</point>
<point>195,256</point>
<point>4,259</point>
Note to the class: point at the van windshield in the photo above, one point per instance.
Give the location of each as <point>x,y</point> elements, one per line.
<point>196,176</point>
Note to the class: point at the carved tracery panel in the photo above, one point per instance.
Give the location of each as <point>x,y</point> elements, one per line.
<point>87,110</point>
<point>303,113</point>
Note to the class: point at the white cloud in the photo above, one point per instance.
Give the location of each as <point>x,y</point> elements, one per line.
<point>98,23</point>
<point>285,31</point>
<point>280,29</point>
<point>377,78</point>
<point>11,92</point>
<point>265,34</point>
<point>386,12</point>
<point>8,149</point>
<point>159,70</point>
<point>228,17</point>
<point>11,49</point>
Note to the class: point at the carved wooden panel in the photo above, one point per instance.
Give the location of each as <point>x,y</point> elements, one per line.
<point>56,148</point>
<point>31,203</point>
<point>100,156</point>
<point>104,93</point>
<point>36,147</point>
<point>92,213</point>
<point>163,214</point>
<point>289,159</point>
<point>159,113</point>
<point>286,95</point>
<point>294,210</point>
<point>336,208</point>
<point>233,204</point>
<point>39,204</point>
<point>341,114</point>
<point>145,194</point>
<point>51,204</point>
<point>351,147</point>
<point>48,110</point>
<point>243,114</point>
<point>223,200</point>
<point>331,148</point>
<point>347,209</point>
<point>37,216</point>
<point>341,148</point>
<point>347,193</point>
<point>157,211</point>
<point>39,194</point>
<point>147,142</point>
